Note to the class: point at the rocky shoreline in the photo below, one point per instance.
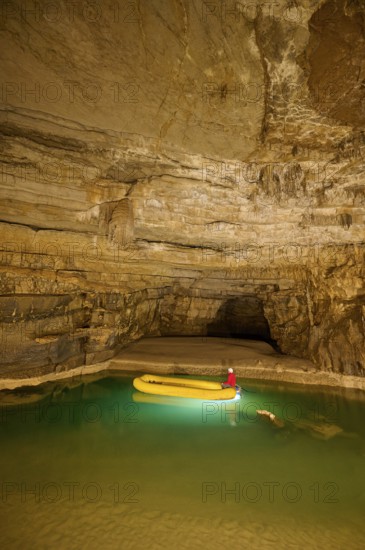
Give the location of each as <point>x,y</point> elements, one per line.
<point>251,360</point>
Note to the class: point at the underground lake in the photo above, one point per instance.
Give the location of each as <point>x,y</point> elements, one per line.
<point>91,462</point>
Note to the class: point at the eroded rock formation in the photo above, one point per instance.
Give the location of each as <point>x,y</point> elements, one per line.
<point>185,168</point>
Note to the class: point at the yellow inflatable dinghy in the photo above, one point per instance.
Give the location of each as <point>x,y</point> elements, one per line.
<point>182,387</point>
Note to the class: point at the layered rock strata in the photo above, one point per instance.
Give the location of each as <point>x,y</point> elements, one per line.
<point>181,169</point>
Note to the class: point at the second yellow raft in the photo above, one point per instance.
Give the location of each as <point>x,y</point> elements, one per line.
<point>182,387</point>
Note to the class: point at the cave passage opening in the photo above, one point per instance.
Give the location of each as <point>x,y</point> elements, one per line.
<point>242,318</point>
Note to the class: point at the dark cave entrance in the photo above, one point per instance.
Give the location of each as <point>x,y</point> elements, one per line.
<point>242,318</point>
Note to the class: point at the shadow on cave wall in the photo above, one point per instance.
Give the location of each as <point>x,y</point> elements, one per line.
<point>242,318</point>
<point>334,60</point>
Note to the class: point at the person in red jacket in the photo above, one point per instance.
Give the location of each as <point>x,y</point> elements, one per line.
<point>231,381</point>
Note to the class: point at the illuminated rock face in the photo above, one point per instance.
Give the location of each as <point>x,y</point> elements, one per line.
<point>181,168</point>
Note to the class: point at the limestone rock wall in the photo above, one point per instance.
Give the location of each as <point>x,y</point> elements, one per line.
<point>181,168</point>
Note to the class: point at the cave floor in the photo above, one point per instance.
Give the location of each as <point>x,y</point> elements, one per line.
<point>205,355</point>
<point>210,356</point>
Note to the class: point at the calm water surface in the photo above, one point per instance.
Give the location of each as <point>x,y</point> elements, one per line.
<point>97,464</point>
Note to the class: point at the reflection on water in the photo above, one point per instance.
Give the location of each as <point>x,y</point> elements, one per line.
<point>101,464</point>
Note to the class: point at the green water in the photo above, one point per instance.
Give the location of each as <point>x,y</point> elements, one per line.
<point>98,464</point>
